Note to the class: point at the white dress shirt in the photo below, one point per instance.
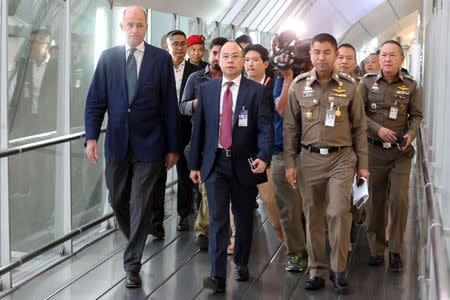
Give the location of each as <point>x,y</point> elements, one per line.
<point>138,55</point>
<point>234,92</point>
<point>38,77</point>
<point>179,77</point>
<point>263,80</point>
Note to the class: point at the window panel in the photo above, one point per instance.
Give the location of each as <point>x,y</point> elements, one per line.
<point>189,26</point>
<point>161,24</point>
<point>90,25</point>
<point>35,46</point>
<point>226,30</point>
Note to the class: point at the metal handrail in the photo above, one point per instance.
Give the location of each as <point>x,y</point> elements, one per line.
<point>9,267</point>
<point>44,143</point>
<point>41,144</point>
<point>441,263</point>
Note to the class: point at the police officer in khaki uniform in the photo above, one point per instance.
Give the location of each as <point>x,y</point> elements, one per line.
<point>334,139</point>
<point>392,104</point>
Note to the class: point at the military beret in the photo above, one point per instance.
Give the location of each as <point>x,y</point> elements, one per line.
<point>195,39</point>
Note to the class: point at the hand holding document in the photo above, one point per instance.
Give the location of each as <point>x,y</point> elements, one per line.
<point>360,191</point>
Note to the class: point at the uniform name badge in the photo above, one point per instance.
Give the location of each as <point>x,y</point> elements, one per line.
<point>330,118</point>
<point>393,112</point>
<point>243,118</point>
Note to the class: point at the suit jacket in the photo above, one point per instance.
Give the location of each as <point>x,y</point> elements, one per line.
<point>186,126</point>
<point>22,121</point>
<point>150,125</point>
<point>255,140</point>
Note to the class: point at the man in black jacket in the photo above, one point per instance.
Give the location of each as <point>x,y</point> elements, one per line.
<point>177,47</point>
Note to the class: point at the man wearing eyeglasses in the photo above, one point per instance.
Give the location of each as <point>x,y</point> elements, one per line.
<point>231,146</point>
<point>177,46</point>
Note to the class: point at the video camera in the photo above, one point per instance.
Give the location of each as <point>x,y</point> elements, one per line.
<point>298,51</point>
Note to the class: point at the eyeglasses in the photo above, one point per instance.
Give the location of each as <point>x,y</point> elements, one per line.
<point>233,57</point>
<point>178,44</point>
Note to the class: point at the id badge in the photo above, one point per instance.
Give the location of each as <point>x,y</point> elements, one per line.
<point>330,118</point>
<point>393,112</point>
<point>308,93</point>
<point>243,119</point>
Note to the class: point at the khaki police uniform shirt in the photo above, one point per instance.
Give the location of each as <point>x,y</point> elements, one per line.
<point>379,95</point>
<point>309,101</point>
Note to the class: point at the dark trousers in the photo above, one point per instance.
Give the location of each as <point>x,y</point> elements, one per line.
<point>184,192</point>
<point>221,188</point>
<point>131,191</point>
<point>185,188</point>
<point>160,197</point>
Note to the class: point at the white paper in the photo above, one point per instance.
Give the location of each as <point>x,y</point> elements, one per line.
<point>360,193</point>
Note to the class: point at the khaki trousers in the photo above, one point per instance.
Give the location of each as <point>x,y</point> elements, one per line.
<point>202,222</point>
<point>268,198</point>
<point>389,179</point>
<point>289,202</point>
<point>317,172</point>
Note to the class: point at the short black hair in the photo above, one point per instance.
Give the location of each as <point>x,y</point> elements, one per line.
<point>393,42</point>
<point>244,39</point>
<point>324,37</point>
<point>347,45</point>
<point>172,33</point>
<point>218,41</point>
<point>260,49</point>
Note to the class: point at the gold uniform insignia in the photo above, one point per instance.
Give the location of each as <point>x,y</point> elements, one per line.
<point>403,88</point>
<point>402,106</point>
<point>338,112</point>
<point>308,114</point>
<point>339,90</point>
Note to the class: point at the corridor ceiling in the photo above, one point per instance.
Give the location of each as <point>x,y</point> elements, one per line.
<point>354,21</point>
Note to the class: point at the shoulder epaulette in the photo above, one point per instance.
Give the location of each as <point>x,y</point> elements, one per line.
<point>410,77</point>
<point>301,76</point>
<point>348,77</point>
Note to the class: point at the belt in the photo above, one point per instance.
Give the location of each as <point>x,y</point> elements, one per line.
<point>380,143</point>
<point>224,152</point>
<point>323,151</point>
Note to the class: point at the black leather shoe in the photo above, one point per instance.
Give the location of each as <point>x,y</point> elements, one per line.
<point>216,284</point>
<point>158,230</point>
<point>339,281</point>
<point>133,280</point>
<point>183,224</point>
<point>376,260</point>
<point>202,242</point>
<point>241,273</point>
<point>395,262</point>
<point>314,283</point>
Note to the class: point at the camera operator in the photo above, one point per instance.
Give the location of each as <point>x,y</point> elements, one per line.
<point>288,200</point>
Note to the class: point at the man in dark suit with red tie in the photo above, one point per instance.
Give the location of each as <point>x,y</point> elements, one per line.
<point>135,84</point>
<point>232,124</point>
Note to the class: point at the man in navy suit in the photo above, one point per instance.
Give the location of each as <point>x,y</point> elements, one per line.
<point>135,84</point>
<point>233,122</point>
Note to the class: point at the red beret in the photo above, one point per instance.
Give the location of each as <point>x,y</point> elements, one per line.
<point>195,39</point>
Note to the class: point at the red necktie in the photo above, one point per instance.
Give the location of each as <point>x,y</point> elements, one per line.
<point>227,117</point>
